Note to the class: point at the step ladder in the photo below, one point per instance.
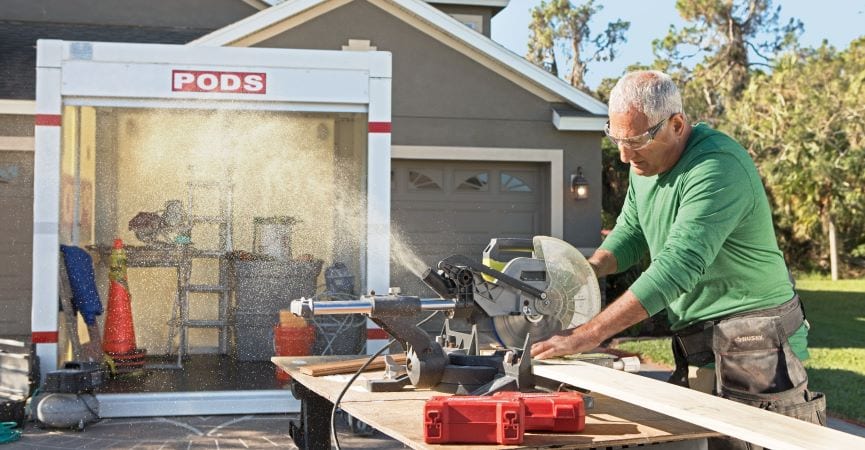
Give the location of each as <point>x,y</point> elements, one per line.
<point>221,290</point>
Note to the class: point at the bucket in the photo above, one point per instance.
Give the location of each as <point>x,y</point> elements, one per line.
<point>292,341</point>
<point>272,236</point>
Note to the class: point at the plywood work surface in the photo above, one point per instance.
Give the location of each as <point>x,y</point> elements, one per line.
<point>400,414</point>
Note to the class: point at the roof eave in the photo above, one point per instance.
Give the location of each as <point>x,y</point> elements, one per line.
<point>578,123</point>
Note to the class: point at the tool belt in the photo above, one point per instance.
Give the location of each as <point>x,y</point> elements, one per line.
<point>694,343</point>
<point>754,363</point>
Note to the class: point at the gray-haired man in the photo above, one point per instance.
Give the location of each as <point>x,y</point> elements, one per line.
<point>696,204</point>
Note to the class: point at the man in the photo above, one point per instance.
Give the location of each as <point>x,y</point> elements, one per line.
<point>696,204</point>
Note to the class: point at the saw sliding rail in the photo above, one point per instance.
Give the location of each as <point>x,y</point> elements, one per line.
<point>366,306</point>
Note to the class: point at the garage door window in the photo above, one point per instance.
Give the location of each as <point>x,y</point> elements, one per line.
<point>425,180</point>
<point>471,181</point>
<point>513,183</point>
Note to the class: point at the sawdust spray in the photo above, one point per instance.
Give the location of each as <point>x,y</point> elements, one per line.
<point>277,164</point>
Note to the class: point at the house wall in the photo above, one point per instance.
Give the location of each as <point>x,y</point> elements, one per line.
<point>209,14</point>
<point>485,12</point>
<point>16,125</point>
<point>443,98</point>
<point>16,249</point>
<point>16,229</point>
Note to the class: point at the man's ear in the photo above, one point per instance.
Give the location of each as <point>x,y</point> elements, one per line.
<point>678,124</point>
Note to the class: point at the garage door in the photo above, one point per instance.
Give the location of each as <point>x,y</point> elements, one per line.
<point>441,208</point>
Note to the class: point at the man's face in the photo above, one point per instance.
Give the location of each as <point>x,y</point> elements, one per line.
<point>658,155</point>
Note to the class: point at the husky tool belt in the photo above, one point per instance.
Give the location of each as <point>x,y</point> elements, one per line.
<point>754,363</point>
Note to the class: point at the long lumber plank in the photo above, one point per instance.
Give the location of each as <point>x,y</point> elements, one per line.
<point>744,422</point>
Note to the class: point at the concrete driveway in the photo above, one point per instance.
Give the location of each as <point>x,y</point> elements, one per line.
<point>192,432</point>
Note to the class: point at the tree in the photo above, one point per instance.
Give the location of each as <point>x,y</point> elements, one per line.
<point>723,33</point>
<point>804,124</point>
<point>560,30</point>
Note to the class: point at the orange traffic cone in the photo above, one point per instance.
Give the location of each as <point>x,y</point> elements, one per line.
<point>119,337</point>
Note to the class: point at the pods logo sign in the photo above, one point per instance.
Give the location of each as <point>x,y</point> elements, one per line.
<point>219,82</point>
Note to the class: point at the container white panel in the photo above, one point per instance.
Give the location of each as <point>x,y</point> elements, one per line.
<point>101,79</point>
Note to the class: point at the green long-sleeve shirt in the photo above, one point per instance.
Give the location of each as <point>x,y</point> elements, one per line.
<point>708,227</point>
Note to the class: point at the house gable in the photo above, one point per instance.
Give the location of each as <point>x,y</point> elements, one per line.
<point>431,79</point>
<point>433,22</point>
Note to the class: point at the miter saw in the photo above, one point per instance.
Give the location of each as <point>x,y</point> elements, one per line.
<point>529,300</point>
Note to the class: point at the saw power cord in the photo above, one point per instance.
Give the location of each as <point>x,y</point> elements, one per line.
<point>333,436</point>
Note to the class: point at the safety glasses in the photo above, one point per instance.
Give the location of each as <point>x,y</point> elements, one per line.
<point>636,142</point>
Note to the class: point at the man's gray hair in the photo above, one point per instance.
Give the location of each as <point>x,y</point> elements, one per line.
<point>649,91</point>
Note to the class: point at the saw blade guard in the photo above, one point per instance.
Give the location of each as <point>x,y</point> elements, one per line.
<point>574,293</point>
<point>573,296</point>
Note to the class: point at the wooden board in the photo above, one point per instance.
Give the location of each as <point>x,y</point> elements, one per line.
<point>754,425</point>
<point>348,366</point>
<point>400,414</point>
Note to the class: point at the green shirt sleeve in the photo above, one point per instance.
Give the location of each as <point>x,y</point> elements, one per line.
<point>626,242</point>
<point>714,198</point>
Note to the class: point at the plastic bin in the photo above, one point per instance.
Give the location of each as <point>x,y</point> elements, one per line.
<point>264,287</point>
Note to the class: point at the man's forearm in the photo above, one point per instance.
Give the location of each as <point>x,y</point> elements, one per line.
<point>621,314</point>
<point>604,263</point>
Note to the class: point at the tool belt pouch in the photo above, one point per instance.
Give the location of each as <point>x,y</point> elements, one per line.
<point>755,365</point>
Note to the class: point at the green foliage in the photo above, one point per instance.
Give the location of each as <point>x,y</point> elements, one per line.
<point>804,125</point>
<point>718,37</point>
<point>559,28</point>
<point>658,351</point>
<point>836,311</point>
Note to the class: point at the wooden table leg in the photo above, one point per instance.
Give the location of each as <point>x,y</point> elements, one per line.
<point>312,430</point>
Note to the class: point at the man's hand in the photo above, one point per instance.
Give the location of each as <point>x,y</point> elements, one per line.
<point>565,342</point>
<point>621,314</point>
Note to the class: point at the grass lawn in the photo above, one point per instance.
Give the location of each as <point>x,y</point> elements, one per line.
<point>836,311</point>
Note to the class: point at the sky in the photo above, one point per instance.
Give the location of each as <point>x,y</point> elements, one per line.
<point>838,21</point>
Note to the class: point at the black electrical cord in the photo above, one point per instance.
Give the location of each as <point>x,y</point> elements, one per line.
<point>333,436</point>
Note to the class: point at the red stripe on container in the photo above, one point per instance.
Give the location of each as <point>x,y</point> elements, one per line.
<point>379,127</point>
<point>44,337</point>
<point>48,120</point>
<point>376,333</point>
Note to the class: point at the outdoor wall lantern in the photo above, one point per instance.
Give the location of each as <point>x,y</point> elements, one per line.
<point>579,185</point>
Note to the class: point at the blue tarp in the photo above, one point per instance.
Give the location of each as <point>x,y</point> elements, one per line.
<point>85,297</point>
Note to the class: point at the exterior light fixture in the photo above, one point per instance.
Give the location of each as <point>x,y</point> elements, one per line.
<point>579,185</point>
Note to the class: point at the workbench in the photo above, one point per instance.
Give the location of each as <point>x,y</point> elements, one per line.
<point>610,423</point>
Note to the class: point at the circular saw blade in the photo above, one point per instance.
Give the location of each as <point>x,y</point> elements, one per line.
<point>573,295</point>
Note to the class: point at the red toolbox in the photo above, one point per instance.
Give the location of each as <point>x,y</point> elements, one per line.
<point>562,412</point>
<point>473,420</point>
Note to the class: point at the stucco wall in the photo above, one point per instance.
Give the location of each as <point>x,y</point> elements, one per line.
<point>141,13</point>
<point>15,125</point>
<point>442,97</point>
